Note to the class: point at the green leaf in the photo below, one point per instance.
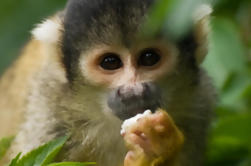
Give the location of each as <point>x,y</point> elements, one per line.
<point>180,19</point>
<point>229,143</point>
<point>246,96</point>
<point>72,164</point>
<point>4,145</point>
<point>173,17</point>
<point>157,17</point>
<point>227,151</point>
<point>42,155</point>
<point>15,160</point>
<point>236,127</point>
<point>233,91</point>
<point>226,53</point>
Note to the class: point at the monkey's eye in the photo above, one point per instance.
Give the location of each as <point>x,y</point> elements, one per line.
<point>149,57</point>
<point>111,61</point>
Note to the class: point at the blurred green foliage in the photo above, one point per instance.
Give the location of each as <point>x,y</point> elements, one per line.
<point>228,63</point>
<point>4,145</point>
<point>44,155</point>
<point>17,19</point>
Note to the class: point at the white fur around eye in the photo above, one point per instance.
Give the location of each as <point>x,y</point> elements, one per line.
<point>48,31</point>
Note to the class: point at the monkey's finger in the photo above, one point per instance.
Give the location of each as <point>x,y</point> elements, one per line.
<point>163,123</point>
<point>136,158</point>
<point>161,118</point>
<point>143,125</point>
<point>130,158</point>
<point>135,141</point>
<point>153,126</point>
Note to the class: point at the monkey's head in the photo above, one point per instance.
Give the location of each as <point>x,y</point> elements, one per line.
<point>102,49</point>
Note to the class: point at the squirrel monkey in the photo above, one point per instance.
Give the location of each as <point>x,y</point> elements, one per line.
<point>86,70</point>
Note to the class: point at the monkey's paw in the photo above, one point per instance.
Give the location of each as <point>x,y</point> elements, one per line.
<point>152,140</point>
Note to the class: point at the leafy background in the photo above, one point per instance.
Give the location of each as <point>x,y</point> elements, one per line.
<point>228,63</point>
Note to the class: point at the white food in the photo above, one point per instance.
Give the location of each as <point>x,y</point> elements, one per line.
<point>131,121</point>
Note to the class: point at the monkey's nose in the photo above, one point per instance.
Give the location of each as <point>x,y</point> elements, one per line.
<point>127,101</point>
<point>129,91</point>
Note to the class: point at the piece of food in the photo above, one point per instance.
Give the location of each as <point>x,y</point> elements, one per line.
<point>130,122</point>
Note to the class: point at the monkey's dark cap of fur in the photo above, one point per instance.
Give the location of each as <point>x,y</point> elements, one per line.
<point>90,22</point>
<point>93,22</point>
<point>100,17</point>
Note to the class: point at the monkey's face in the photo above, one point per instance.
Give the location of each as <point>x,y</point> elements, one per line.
<point>130,74</point>
<point>102,46</point>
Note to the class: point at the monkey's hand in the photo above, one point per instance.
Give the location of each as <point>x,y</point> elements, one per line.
<point>152,140</point>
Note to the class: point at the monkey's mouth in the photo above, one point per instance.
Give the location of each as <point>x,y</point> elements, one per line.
<point>132,113</point>
<point>128,112</point>
<point>125,109</point>
<point>139,111</point>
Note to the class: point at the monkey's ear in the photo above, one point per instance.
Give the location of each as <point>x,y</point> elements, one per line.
<point>202,30</point>
<point>48,31</point>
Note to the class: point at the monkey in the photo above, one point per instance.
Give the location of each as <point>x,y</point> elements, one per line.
<point>87,69</point>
